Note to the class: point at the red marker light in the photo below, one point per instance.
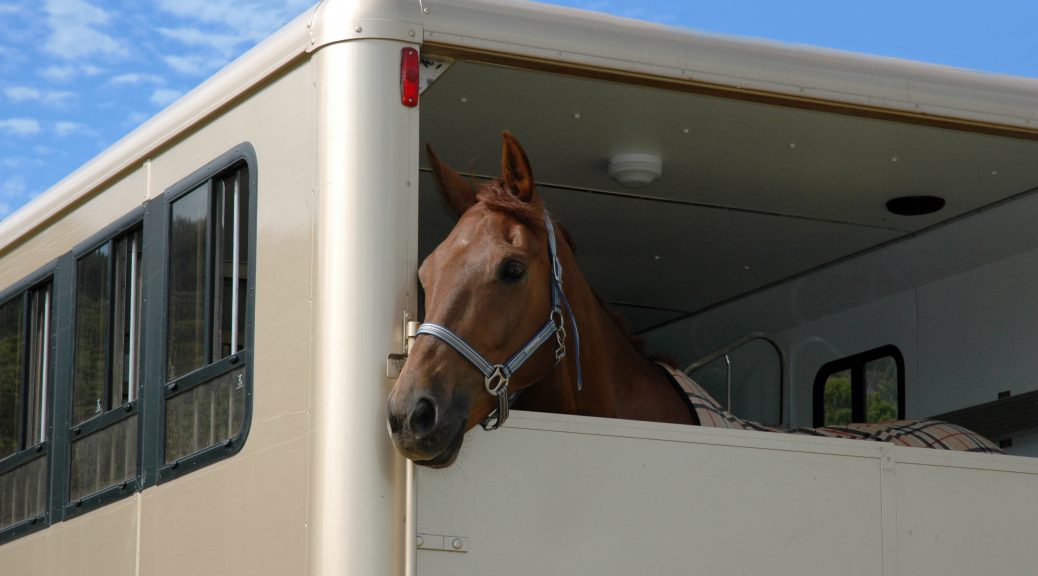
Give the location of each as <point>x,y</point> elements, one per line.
<point>409,77</point>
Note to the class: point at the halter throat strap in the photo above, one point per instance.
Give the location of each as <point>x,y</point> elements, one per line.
<point>497,376</point>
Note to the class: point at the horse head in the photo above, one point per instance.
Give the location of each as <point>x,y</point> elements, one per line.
<point>488,287</point>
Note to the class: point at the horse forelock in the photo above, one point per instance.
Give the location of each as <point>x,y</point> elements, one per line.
<point>495,196</point>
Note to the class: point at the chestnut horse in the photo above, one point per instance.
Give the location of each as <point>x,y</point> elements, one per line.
<point>505,303</point>
<point>490,284</point>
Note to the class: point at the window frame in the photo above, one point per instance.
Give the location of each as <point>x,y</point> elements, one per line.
<point>79,431</point>
<point>859,391</point>
<point>152,219</point>
<point>44,449</point>
<point>157,309</point>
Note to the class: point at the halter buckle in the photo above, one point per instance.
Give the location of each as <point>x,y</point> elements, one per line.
<point>560,334</point>
<point>497,382</point>
<point>497,386</point>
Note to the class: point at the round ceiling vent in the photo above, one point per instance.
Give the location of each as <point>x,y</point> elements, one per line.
<point>915,205</point>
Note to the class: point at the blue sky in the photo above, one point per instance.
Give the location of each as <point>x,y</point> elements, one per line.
<point>77,75</point>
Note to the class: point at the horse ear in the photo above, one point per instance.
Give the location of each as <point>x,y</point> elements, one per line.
<point>515,168</point>
<point>457,191</point>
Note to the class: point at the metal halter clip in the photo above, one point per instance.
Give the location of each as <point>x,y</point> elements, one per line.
<point>497,386</point>
<point>497,382</point>
<point>560,334</point>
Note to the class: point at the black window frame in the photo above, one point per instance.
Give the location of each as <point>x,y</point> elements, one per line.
<point>44,449</point>
<point>79,431</point>
<point>856,365</point>
<point>243,155</point>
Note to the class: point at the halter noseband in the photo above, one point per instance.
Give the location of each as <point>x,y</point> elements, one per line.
<point>496,376</point>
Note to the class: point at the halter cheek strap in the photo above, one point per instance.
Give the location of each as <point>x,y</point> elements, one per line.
<point>497,376</point>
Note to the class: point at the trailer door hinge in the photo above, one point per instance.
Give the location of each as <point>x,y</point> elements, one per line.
<point>395,362</point>
<point>441,542</point>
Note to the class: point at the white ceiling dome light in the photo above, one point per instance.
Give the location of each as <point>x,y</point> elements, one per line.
<point>635,170</point>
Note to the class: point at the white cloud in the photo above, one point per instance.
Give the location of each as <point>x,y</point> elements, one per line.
<point>136,79</point>
<point>56,98</point>
<point>64,128</point>
<point>58,73</point>
<point>136,118</point>
<point>164,96</point>
<point>20,126</point>
<point>21,93</point>
<point>252,21</point>
<point>12,189</point>
<point>74,30</point>
<point>194,64</point>
<point>224,44</point>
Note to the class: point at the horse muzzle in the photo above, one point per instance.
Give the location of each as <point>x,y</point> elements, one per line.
<point>426,431</point>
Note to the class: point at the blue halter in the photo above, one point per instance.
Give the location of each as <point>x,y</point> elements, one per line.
<point>496,376</point>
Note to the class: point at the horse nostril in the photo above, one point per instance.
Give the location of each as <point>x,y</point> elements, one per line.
<point>396,423</point>
<point>423,417</point>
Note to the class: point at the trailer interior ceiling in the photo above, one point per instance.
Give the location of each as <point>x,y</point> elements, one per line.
<point>751,193</point>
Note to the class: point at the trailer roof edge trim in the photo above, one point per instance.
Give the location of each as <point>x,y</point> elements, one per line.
<point>586,39</point>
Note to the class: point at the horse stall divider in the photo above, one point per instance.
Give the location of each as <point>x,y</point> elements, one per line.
<point>550,494</point>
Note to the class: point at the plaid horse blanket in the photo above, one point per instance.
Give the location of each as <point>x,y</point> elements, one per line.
<point>918,433</point>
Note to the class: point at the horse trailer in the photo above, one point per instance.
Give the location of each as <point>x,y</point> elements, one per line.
<point>199,328</point>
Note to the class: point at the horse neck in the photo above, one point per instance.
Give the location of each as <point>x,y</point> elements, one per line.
<point>618,380</point>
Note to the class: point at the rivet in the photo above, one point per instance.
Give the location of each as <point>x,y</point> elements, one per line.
<point>463,100</point>
<point>576,115</point>
<point>411,33</point>
<point>686,131</point>
<point>420,541</point>
<point>426,10</point>
<point>894,158</point>
<point>358,28</point>
<point>792,144</point>
<point>994,172</point>
<point>457,544</point>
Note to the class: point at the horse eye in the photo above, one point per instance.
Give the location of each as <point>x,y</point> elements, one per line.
<point>512,271</point>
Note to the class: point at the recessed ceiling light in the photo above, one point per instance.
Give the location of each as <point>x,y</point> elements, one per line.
<point>915,205</point>
<point>635,170</point>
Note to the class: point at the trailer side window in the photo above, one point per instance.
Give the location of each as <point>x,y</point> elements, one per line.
<point>25,383</point>
<point>107,351</point>
<point>866,387</point>
<point>207,345</point>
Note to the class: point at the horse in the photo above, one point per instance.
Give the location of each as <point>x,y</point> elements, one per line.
<point>505,303</point>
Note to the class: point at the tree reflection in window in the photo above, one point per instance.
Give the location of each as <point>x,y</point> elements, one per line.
<point>208,272</point>
<point>866,387</point>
